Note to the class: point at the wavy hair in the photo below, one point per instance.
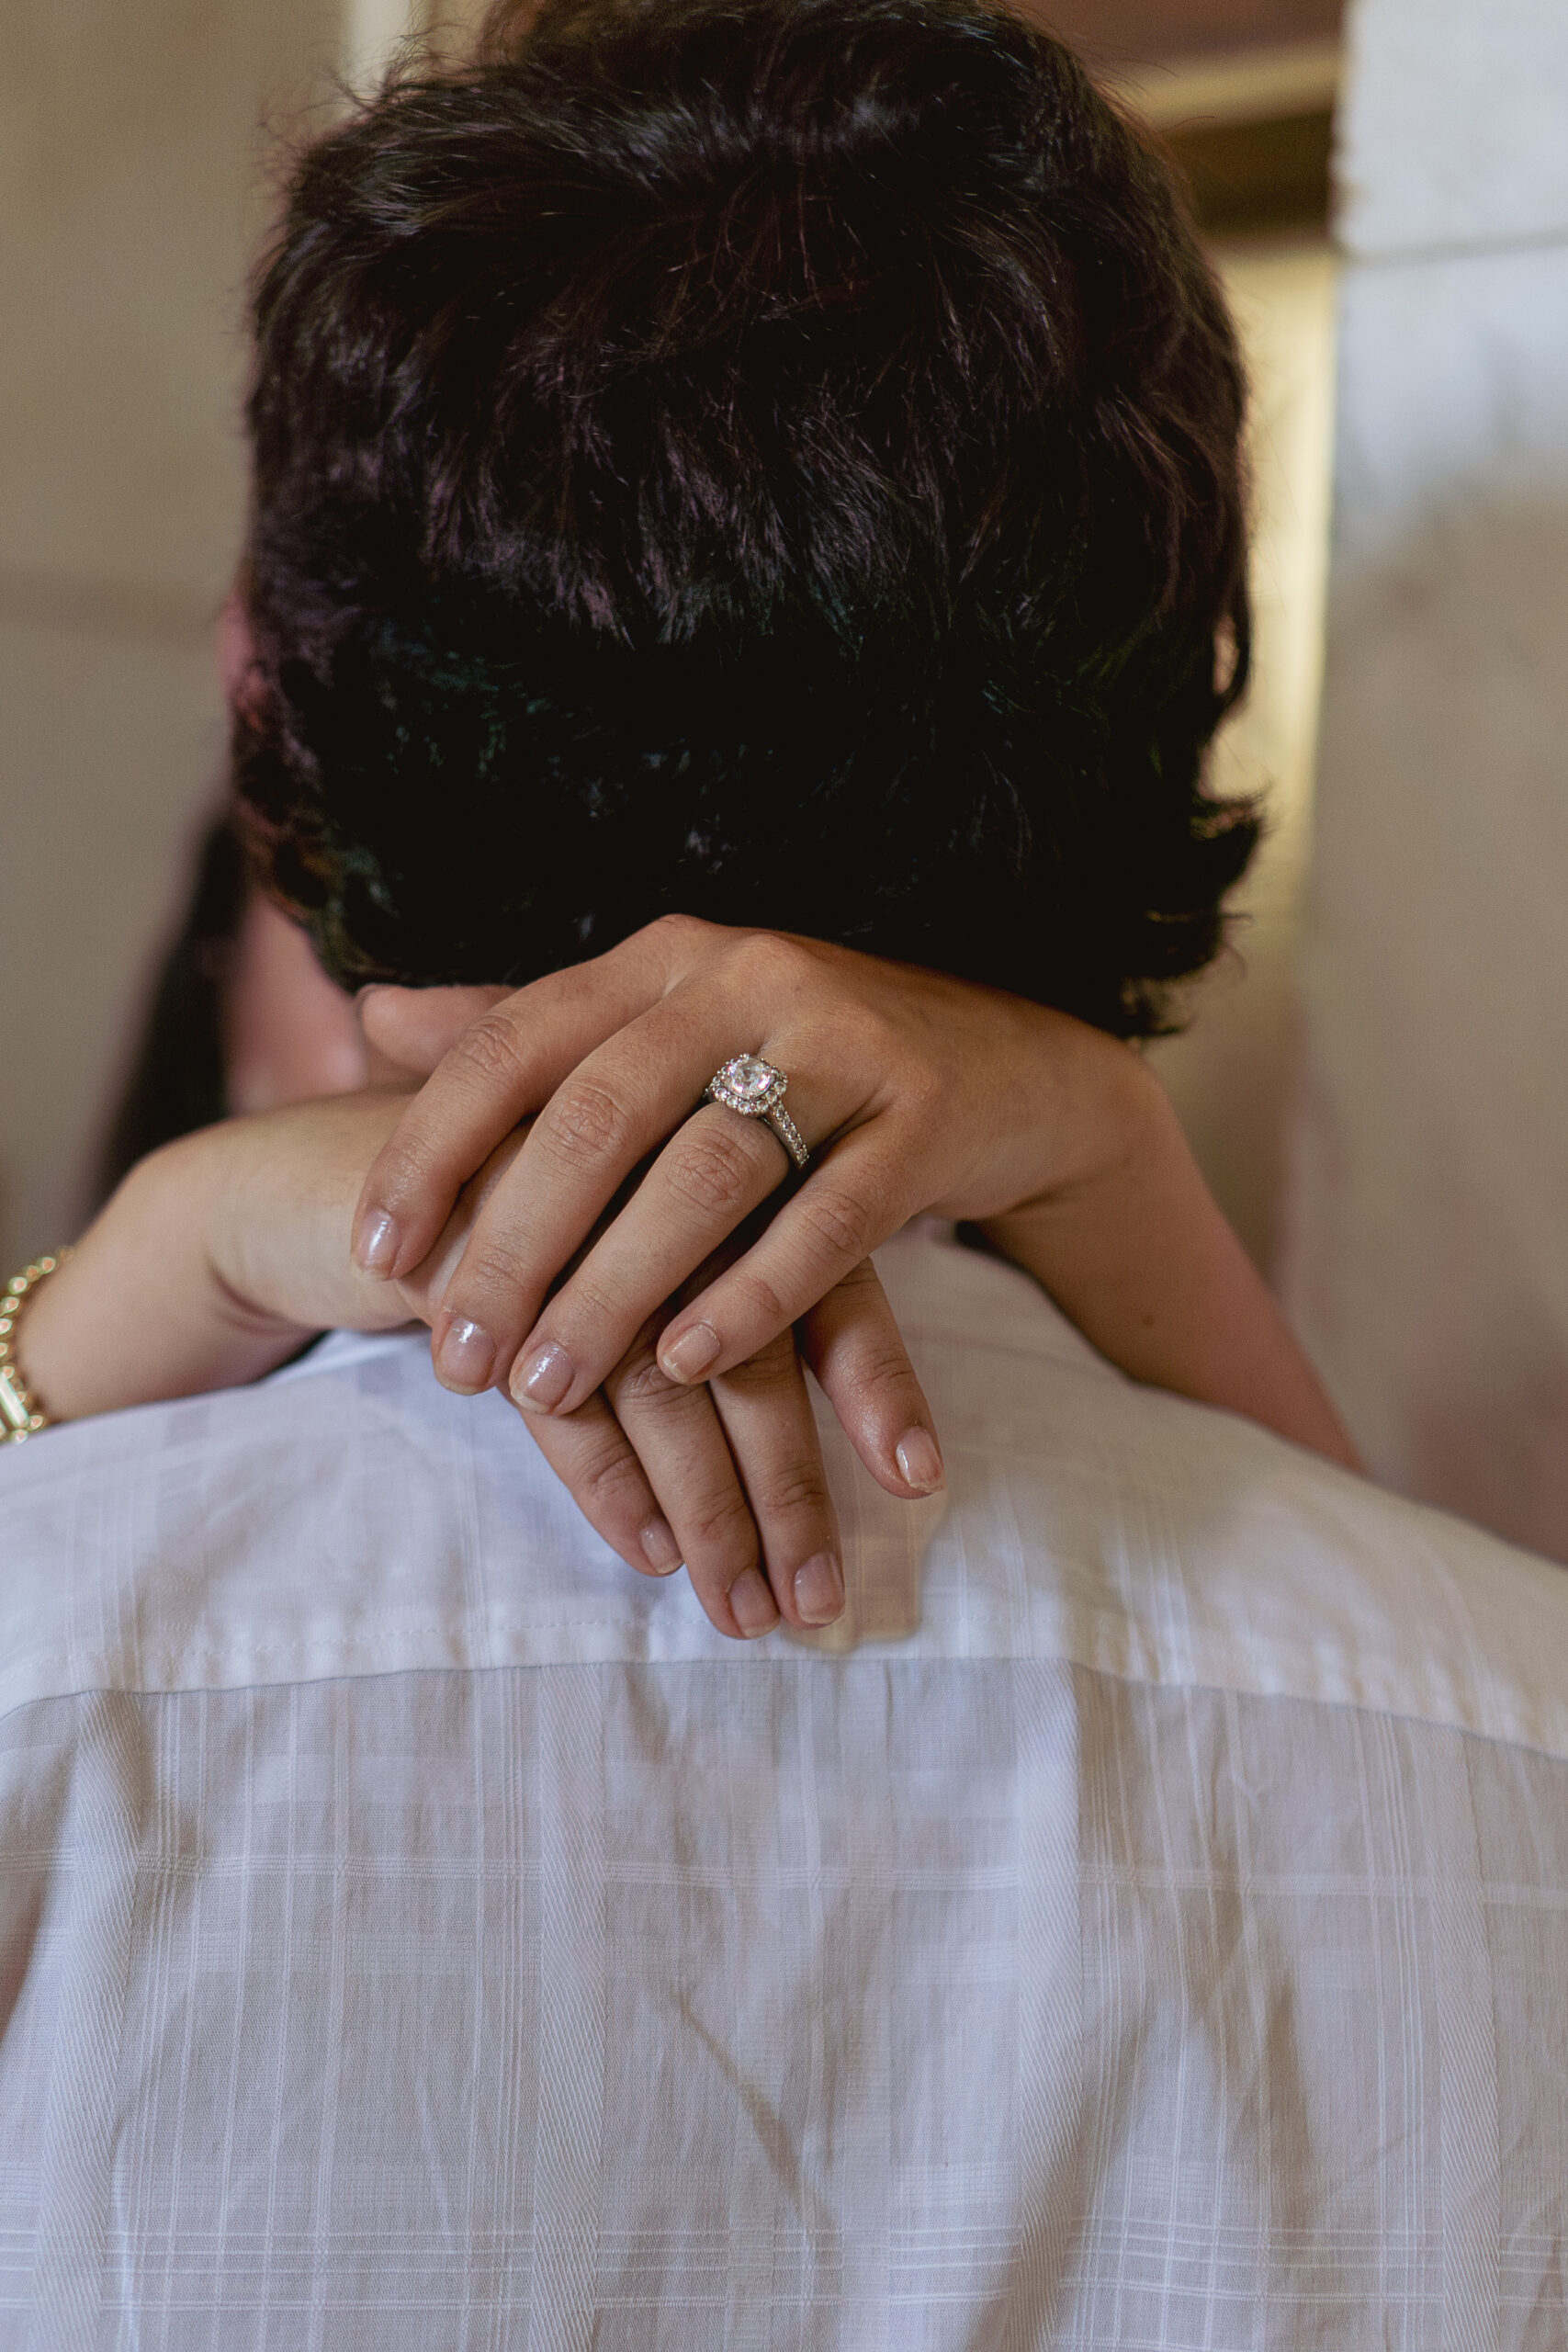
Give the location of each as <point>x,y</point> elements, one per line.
<point>776,460</point>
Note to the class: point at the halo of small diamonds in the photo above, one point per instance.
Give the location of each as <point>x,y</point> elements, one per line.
<point>748,1084</point>
<point>754,1088</point>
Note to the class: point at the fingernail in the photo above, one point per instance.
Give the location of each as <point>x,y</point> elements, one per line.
<point>918,1461</point>
<point>754,1607</point>
<point>659,1548</point>
<point>376,1244</point>
<point>689,1357</point>
<point>819,1590</point>
<point>465,1357</point>
<point>541,1382</point>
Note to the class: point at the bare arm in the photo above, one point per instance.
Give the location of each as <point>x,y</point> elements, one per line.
<point>217,1259</point>
<point>221,1254</point>
<point>1138,1255</point>
<point>915,1092</point>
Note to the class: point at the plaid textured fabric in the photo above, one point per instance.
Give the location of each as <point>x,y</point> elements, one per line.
<point>415,1931</point>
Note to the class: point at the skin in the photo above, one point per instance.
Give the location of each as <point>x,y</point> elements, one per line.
<point>221,1254</point>
<point>917,1093</point>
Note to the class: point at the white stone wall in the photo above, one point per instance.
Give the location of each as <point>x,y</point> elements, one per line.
<point>1427,1256</point>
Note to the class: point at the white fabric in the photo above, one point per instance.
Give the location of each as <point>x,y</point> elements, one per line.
<point>415,1930</point>
<point>351,1518</point>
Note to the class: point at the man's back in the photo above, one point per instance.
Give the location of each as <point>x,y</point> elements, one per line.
<point>417,1931</point>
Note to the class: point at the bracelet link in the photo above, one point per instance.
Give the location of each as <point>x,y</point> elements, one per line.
<point>21,1415</point>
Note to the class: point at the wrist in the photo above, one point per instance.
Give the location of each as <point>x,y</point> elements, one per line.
<point>281,1206</point>
<point>1100,1121</point>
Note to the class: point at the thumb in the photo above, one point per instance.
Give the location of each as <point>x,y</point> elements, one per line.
<point>409,1030</point>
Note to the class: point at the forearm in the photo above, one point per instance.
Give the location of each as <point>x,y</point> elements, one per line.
<point>1138,1255</point>
<point>215,1260</point>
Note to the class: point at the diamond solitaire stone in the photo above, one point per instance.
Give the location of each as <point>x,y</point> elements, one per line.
<point>750,1076</point>
<point>749,1085</point>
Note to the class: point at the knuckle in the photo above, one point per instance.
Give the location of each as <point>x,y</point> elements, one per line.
<point>775,1367</point>
<point>490,1049</point>
<point>775,964</point>
<point>583,1121</point>
<point>640,1383</point>
<point>792,1490</point>
<point>839,1223</point>
<point>880,1368</point>
<point>714,1172</point>
<point>583,1318</point>
<point>861,1285</point>
<point>761,1304</point>
<point>491,1268</point>
<point>408,1166</point>
<point>875,1035</point>
<point>611,1486</point>
<point>721,1526</point>
<point>680,931</point>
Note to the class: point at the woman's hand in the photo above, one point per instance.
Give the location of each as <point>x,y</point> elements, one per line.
<point>221,1254</point>
<point>727,1477</point>
<point>915,1091</point>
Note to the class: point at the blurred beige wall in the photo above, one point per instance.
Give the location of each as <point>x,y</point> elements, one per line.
<point>132,146</point>
<point>1428,1244</point>
<point>1230,1076</point>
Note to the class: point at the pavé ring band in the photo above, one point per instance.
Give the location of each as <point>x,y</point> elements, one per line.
<point>755,1088</point>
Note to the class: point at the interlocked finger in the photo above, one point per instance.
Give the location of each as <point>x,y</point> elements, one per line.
<point>852,1343</point>
<point>590,1454</point>
<point>851,1204</point>
<point>693,1473</point>
<point>504,1066</point>
<point>713,1173</point>
<point>618,1106</point>
<point>766,1412</point>
<point>741,1482</point>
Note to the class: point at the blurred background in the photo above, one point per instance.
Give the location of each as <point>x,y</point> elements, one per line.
<point>1374,1075</point>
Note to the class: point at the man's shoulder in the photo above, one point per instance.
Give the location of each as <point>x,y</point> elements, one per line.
<point>348,1517</point>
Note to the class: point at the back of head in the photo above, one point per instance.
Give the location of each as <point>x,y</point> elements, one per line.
<point>776,460</point>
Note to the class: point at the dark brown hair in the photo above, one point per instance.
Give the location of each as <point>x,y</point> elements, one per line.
<point>777,459</point>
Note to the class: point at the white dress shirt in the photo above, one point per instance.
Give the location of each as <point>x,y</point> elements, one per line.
<point>1145,1925</point>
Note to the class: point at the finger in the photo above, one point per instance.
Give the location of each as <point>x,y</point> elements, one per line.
<point>766,1412</point>
<point>618,1104</point>
<point>504,1065</point>
<point>848,1206</point>
<point>408,1030</point>
<point>852,1343</point>
<point>688,1463</point>
<point>591,1455</point>
<point>712,1173</point>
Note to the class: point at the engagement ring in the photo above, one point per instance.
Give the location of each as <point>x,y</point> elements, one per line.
<point>755,1088</point>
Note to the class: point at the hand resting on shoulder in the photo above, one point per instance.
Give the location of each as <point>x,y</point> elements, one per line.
<point>221,1254</point>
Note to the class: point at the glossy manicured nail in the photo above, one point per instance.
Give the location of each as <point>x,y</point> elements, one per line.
<point>542,1379</point>
<point>755,1608</point>
<point>659,1548</point>
<point>919,1464</point>
<point>465,1357</point>
<point>376,1244</point>
<point>689,1357</point>
<point>819,1590</point>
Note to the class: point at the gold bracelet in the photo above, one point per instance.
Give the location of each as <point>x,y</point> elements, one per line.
<point>21,1415</point>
